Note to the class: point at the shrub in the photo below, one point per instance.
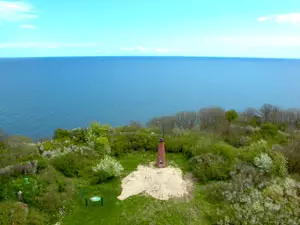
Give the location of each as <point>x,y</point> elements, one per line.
<point>51,202</point>
<point>292,154</point>
<point>48,175</point>
<point>225,150</point>
<point>174,144</point>
<point>12,212</point>
<point>69,164</point>
<point>249,153</point>
<point>30,192</point>
<point>214,161</point>
<point>98,130</point>
<point>233,138</point>
<point>269,130</point>
<point>79,136</point>
<point>42,164</point>
<point>279,164</point>
<point>17,154</point>
<point>101,145</point>
<point>263,162</point>
<point>61,185</point>
<point>271,133</point>
<point>120,145</point>
<point>210,166</point>
<point>5,213</point>
<point>180,144</point>
<point>141,140</point>
<point>107,168</point>
<point>278,203</point>
<point>62,134</point>
<point>37,218</point>
<point>2,192</point>
<point>197,145</point>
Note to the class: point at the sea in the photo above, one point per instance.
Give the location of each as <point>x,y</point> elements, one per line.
<point>39,95</point>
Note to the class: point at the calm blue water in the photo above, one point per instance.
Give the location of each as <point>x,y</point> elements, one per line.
<point>38,95</point>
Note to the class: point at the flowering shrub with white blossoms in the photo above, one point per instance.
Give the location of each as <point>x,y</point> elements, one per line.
<point>263,162</point>
<point>110,166</point>
<point>278,203</point>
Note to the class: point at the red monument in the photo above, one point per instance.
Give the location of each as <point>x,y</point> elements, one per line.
<point>161,157</point>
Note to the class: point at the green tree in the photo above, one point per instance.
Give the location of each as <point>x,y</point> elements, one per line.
<point>231,115</point>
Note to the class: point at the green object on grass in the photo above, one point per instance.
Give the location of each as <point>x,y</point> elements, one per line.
<point>26,180</point>
<point>97,199</point>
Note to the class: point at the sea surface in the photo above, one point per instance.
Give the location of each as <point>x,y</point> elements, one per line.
<point>39,95</point>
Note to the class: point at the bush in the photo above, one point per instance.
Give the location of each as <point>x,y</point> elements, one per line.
<point>279,167</point>
<point>42,164</point>
<point>62,134</point>
<point>256,152</point>
<point>5,213</point>
<point>107,168</point>
<point>69,164</point>
<point>79,136</point>
<point>61,185</point>
<point>51,202</point>
<point>12,212</point>
<point>48,175</point>
<point>278,203</point>
<point>214,162</point>
<point>2,193</point>
<point>263,162</point>
<point>98,130</point>
<point>292,154</point>
<point>249,153</point>
<point>120,145</point>
<point>101,145</point>
<point>30,192</point>
<point>174,145</point>
<point>210,166</point>
<point>141,140</point>
<point>194,145</point>
<point>180,144</point>
<point>225,150</point>
<point>37,218</point>
<point>269,130</point>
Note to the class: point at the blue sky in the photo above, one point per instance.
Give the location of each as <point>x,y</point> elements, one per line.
<point>234,28</point>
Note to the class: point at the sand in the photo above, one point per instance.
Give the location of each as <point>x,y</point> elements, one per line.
<point>160,183</point>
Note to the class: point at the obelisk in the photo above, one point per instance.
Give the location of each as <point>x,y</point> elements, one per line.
<point>161,156</point>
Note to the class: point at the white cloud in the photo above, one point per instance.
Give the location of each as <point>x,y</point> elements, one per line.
<point>48,45</point>
<point>141,49</point>
<point>11,11</point>
<point>28,26</point>
<point>133,49</point>
<point>162,50</point>
<point>99,51</point>
<point>291,18</point>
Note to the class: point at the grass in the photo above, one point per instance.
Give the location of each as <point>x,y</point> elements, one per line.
<point>136,209</point>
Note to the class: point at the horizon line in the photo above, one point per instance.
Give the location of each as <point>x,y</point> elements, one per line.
<point>153,56</point>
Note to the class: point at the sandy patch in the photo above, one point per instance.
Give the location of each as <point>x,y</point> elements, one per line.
<point>160,183</point>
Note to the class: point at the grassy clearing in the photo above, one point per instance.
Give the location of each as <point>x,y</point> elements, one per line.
<point>136,209</point>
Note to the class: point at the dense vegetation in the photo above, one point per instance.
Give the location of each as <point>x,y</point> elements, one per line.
<point>246,165</point>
